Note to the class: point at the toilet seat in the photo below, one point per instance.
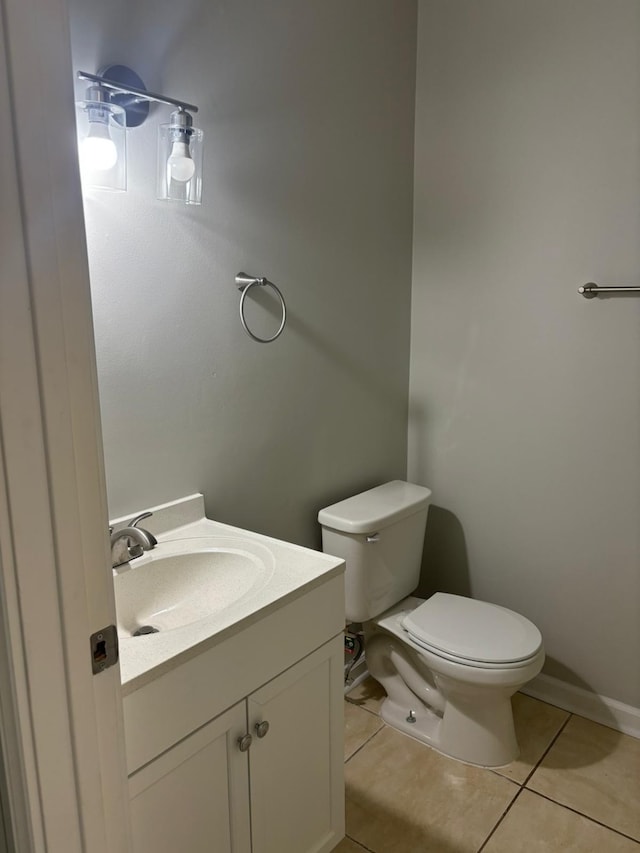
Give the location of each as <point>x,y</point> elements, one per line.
<point>472,633</point>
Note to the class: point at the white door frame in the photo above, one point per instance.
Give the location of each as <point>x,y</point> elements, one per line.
<point>61,727</point>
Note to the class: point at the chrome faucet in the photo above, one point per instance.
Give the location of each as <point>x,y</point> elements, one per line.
<point>131,541</point>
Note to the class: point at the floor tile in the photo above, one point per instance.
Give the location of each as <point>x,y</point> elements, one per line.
<point>402,797</point>
<point>359,726</point>
<point>368,694</point>
<point>596,771</point>
<point>536,824</point>
<point>349,846</point>
<point>537,723</point>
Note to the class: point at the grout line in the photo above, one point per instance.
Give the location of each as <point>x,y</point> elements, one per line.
<point>547,750</point>
<point>359,843</point>
<point>536,765</point>
<point>521,785</point>
<point>368,740</point>
<point>362,707</point>
<point>362,745</point>
<point>500,819</point>
<point>582,814</point>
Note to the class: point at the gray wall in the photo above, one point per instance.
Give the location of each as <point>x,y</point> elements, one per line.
<point>308,114</point>
<point>525,397</point>
<point>525,401</point>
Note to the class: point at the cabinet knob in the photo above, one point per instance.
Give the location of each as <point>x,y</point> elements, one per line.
<point>262,728</point>
<point>244,742</point>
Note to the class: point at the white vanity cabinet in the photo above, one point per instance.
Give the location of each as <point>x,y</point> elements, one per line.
<point>192,787</point>
<point>195,797</point>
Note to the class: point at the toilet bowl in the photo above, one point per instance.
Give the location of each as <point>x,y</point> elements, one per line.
<point>450,664</point>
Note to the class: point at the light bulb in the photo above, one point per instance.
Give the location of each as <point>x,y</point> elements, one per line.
<point>98,150</point>
<point>180,166</point>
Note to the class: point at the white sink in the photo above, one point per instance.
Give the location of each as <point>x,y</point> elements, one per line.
<point>202,585</point>
<point>183,581</point>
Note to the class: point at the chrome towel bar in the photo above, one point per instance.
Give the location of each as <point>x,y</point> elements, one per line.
<point>244,283</point>
<point>591,290</point>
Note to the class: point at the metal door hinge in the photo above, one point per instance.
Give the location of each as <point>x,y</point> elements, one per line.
<point>104,649</point>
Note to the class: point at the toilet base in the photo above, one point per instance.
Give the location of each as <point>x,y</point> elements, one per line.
<point>423,725</point>
<point>490,742</point>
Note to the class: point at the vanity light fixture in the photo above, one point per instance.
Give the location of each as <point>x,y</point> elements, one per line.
<point>117,99</point>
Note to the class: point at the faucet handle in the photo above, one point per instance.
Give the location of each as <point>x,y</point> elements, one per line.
<point>141,517</point>
<point>134,523</point>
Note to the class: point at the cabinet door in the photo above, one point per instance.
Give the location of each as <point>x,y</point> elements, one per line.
<point>195,796</point>
<point>297,769</point>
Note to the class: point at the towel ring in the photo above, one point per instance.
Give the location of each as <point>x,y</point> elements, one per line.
<point>244,283</point>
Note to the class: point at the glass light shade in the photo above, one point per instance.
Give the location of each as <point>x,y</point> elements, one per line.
<point>180,164</point>
<point>102,145</point>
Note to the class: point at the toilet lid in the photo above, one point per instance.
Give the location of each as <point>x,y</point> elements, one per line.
<point>472,630</point>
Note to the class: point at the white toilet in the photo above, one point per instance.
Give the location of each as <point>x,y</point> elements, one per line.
<point>449,664</point>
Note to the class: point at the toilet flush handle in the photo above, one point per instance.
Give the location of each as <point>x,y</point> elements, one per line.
<point>373,537</point>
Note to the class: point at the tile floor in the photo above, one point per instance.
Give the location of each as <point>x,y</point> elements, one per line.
<point>575,787</point>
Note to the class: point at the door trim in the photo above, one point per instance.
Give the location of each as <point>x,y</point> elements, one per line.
<point>61,727</point>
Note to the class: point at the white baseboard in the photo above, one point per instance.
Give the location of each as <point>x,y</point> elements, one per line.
<point>600,709</point>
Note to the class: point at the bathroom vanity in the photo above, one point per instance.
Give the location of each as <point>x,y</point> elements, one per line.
<point>233,721</point>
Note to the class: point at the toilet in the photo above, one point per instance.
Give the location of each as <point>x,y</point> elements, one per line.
<point>450,664</point>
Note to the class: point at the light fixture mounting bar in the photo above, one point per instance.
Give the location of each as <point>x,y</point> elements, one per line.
<point>142,94</point>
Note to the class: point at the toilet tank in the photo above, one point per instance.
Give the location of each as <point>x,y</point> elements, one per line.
<point>379,534</point>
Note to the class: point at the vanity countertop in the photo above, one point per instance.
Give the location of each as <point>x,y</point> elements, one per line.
<point>296,571</point>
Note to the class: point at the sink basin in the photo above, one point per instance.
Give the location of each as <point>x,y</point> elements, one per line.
<point>183,581</point>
